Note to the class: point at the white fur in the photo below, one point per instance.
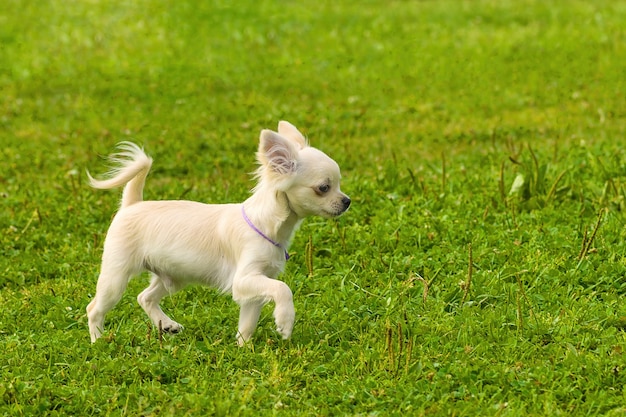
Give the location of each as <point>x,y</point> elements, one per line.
<point>186,242</point>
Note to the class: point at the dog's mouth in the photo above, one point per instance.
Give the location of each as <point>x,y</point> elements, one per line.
<point>345,205</point>
<point>332,214</point>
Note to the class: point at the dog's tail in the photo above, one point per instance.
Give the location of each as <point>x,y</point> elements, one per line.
<point>131,167</point>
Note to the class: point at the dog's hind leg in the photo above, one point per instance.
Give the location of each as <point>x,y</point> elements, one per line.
<point>149,300</point>
<point>111,286</point>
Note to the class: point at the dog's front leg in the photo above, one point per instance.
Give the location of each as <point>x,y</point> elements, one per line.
<point>249,313</point>
<point>251,293</point>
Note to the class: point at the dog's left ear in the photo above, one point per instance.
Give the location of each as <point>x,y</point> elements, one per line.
<point>277,153</point>
<point>291,132</point>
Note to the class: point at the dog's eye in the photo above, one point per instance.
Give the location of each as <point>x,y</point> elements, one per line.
<point>324,188</point>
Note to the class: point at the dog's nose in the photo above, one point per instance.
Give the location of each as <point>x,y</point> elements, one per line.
<point>346,202</point>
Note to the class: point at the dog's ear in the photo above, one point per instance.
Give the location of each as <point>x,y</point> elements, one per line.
<point>277,153</point>
<point>291,132</point>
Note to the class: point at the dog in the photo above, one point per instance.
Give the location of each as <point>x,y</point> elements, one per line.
<point>237,248</point>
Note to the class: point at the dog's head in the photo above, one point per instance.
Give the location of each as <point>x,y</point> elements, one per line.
<point>307,176</point>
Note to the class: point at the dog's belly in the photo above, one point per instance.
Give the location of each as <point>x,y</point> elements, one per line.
<point>192,268</point>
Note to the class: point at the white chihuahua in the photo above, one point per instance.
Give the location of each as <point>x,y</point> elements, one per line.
<point>237,248</point>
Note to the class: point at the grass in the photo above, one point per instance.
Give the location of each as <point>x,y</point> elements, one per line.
<point>480,271</point>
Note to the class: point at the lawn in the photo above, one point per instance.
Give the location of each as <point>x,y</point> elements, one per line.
<point>481,269</point>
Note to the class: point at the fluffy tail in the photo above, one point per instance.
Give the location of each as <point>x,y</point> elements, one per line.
<point>131,167</point>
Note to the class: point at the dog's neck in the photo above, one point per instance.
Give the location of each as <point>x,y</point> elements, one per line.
<point>270,212</point>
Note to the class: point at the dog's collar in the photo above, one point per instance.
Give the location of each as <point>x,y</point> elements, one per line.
<point>263,235</point>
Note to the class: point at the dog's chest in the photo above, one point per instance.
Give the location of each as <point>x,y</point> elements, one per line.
<point>274,266</point>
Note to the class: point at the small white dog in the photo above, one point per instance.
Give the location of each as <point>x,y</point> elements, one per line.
<point>237,248</point>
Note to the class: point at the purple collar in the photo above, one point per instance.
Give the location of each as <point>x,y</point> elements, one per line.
<point>263,235</point>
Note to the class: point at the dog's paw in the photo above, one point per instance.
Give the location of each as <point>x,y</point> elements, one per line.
<point>241,341</point>
<point>284,322</point>
<point>284,332</point>
<point>171,327</point>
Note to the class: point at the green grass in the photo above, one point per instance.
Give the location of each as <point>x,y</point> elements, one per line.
<point>432,109</point>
